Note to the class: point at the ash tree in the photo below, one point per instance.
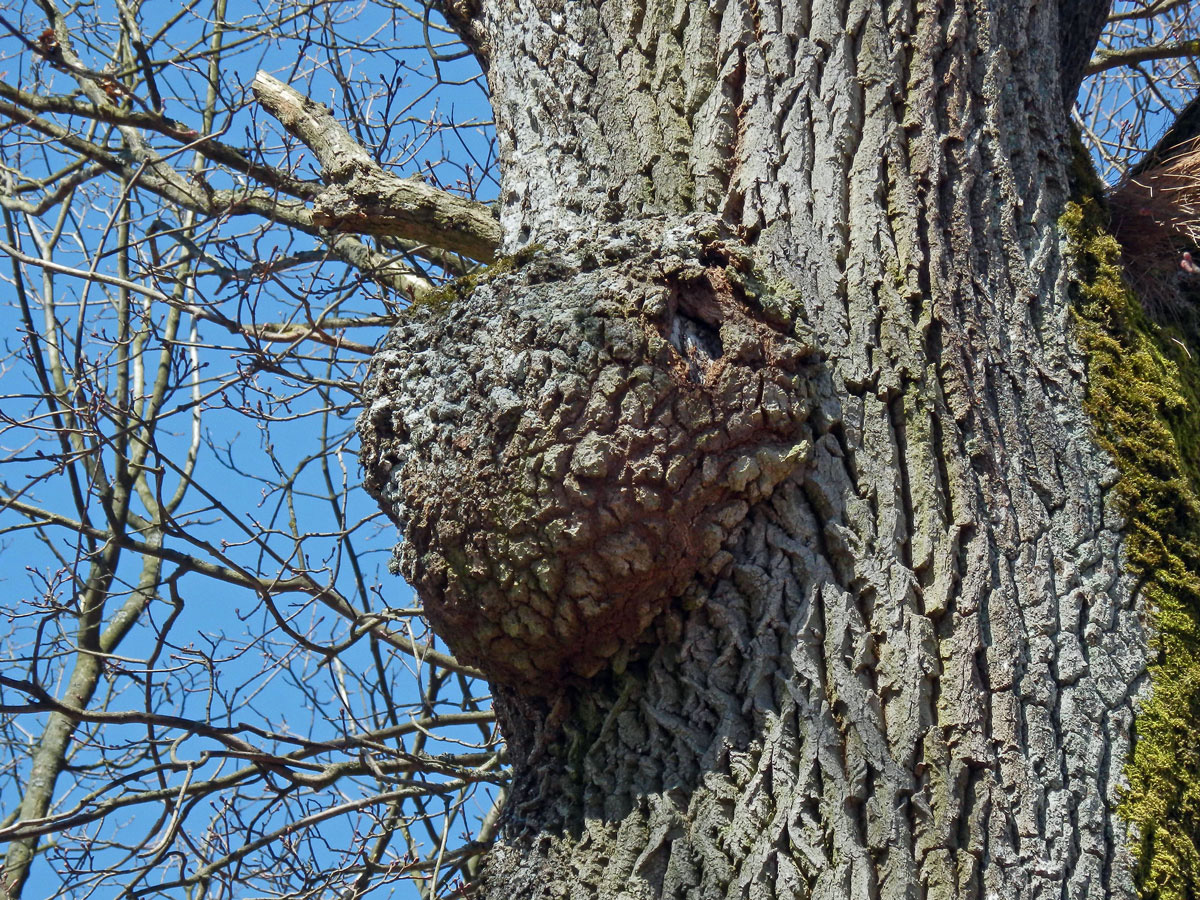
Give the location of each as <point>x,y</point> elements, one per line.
<point>797,459</point>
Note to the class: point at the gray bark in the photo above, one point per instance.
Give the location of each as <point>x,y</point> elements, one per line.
<point>875,638</point>
<point>361,197</point>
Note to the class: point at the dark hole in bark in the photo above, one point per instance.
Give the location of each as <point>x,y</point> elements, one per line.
<point>697,342</point>
<point>694,328</point>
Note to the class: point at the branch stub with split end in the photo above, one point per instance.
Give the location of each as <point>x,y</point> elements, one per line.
<point>570,446</point>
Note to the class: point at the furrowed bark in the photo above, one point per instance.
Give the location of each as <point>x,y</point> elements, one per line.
<point>907,664</point>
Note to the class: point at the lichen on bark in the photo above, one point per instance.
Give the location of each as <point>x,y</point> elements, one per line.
<point>616,412</point>
<point>1142,396</point>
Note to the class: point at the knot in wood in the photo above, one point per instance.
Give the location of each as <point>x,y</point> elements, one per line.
<point>569,446</point>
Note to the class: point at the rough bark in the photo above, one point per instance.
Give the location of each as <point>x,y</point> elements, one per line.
<point>622,416</point>
<point>910,668</point>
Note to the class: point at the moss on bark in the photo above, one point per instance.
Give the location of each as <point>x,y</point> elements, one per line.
<point>441,297</point>
<point>1144,398</point>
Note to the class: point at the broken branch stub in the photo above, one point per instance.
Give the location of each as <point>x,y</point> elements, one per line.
<point>569,447</point>
<point>363,198</point>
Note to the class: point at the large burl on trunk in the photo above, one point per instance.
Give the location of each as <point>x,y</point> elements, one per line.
<point>570,447</point>
<point>761,487</point>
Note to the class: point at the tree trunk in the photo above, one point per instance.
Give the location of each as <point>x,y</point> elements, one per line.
<point>762,486</point>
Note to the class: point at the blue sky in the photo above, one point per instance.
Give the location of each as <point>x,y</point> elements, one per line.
<point>226,660</point>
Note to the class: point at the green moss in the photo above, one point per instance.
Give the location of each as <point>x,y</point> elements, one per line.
<point>441,297</point>
<point>1143,392</point>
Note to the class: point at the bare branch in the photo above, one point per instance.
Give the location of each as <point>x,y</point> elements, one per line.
<point>207,145</point>
<point>207,643</point>
<point>362,197</point>
<point>1110,59</point>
